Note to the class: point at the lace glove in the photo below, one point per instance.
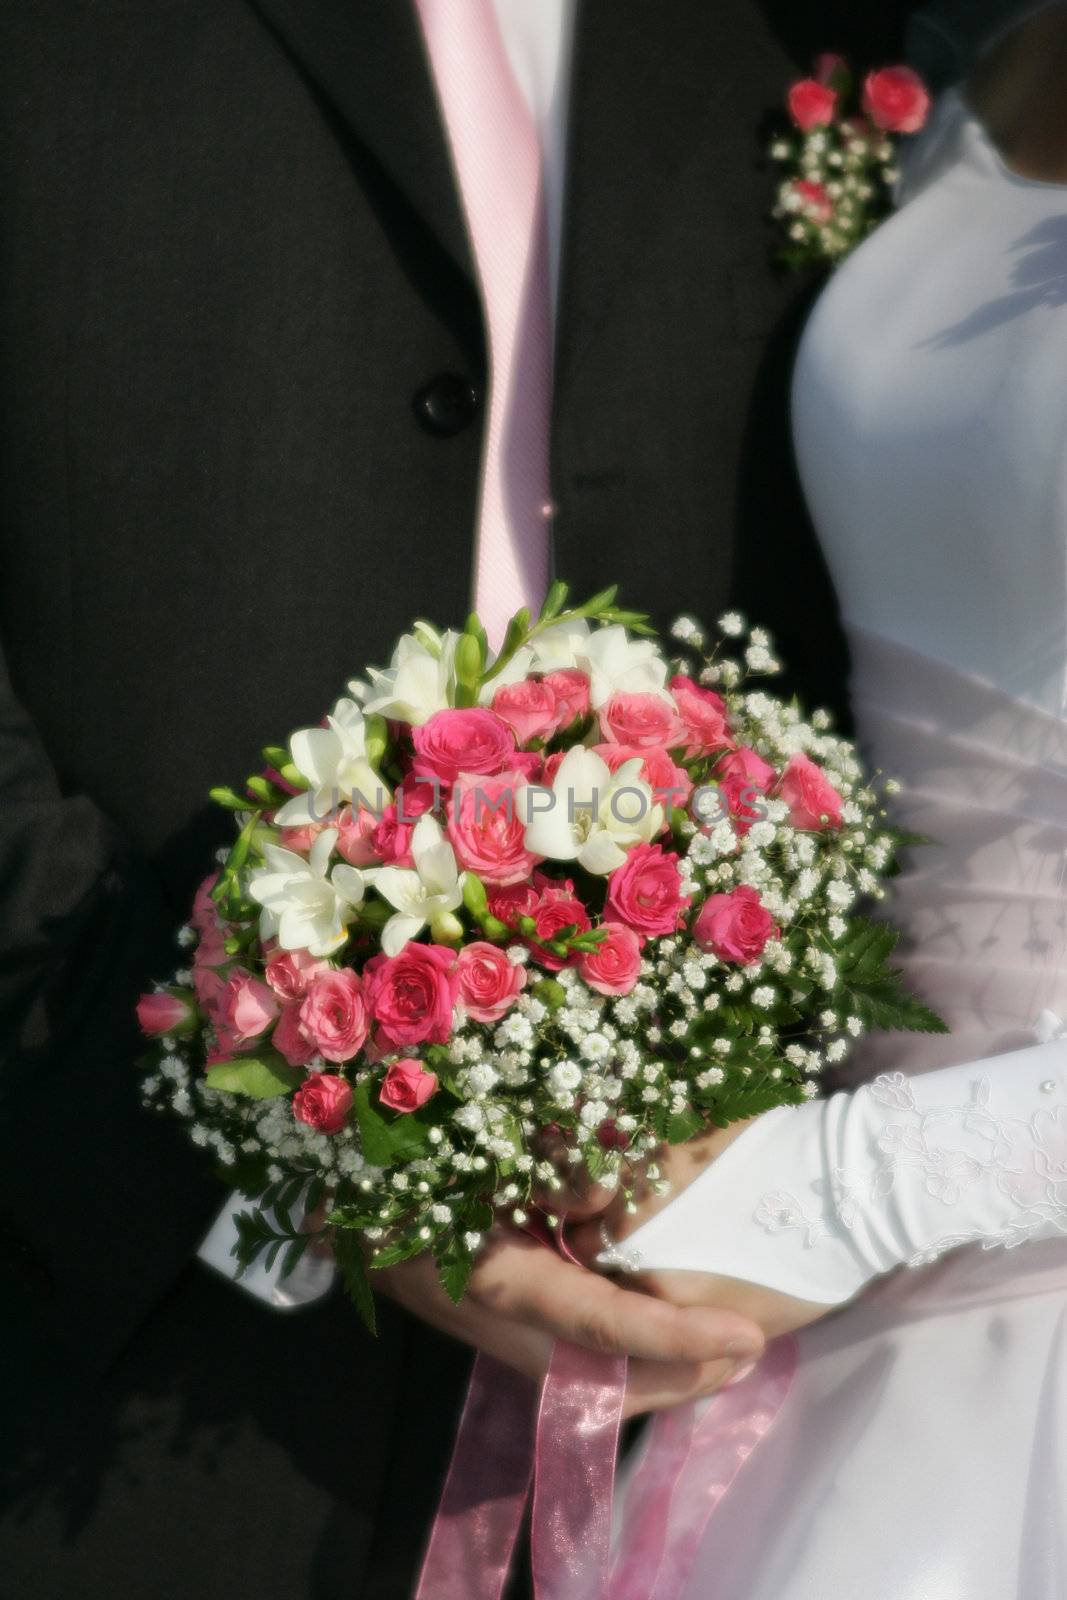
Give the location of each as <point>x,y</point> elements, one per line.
<point>816,1200</point>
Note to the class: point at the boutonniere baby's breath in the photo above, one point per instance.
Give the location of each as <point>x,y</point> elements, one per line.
<point>838,158</point>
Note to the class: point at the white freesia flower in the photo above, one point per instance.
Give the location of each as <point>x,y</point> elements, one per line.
<point>305,906</point>
<point>595,816</point>
<point>557,648</point>
<point>334,762</point>
<point>419,680</point>
<point>617,664</point>
<point>434,888</point>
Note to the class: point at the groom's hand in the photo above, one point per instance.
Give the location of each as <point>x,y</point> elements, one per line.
<point>523,1297</point>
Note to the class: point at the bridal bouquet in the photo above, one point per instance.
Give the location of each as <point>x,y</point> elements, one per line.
<point>839,157</point>
<point>571,895</point>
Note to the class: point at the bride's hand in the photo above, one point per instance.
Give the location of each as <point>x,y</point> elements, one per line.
<point>597,1216</point>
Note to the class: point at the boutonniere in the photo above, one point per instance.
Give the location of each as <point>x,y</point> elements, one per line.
<point>838,157</point>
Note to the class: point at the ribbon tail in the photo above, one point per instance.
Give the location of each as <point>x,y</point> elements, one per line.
<point>577,1442</point>
<point>485,1493</point>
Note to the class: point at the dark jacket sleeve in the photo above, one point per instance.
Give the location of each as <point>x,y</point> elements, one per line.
<point>101,1203</point>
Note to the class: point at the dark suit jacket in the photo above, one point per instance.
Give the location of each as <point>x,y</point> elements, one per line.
<point>241,367</point>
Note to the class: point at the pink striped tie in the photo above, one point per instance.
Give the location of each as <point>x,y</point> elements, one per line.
<point>497,158</point>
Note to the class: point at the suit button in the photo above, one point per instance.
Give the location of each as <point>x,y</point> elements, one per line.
<point>447,405</point>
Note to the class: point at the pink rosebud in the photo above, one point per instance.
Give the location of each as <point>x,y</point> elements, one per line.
<point>814,804</point>
<point>451,742</point>
<point>812,104</point>
<point>205,913</point>
<point>742,777</point>
<point>529,709</point>
<point>487,828</point>
<point>411,996</point>
<point>290,971</point>
<point>827,65</point>
<point>556,908</point>
<point>165,1011</point>
<point>300,839</point>
<point>323,1101</point>
<point>703,716</point>
<point>571,689</point>
<point>643,721</point>
<point>489,984</point>
<point>735,926</point>
<point>512,901</point>
<point>407,1085</point>
<point>646,892</point>
<point>333,1015</point>
<point>246,1009</point>
<point>355,836</point>
<point>288,1039</point>
<point>615,965</point>
<point>896,100</point>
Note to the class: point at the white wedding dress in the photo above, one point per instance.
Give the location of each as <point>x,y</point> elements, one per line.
<point>921,1453</point>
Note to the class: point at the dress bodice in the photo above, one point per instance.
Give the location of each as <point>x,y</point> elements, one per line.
<point>930,414</point>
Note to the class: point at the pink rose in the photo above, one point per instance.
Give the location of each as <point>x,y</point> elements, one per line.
<point>205,919</point>
<point>290,971</point>
<point>355,836</point>
<point>671,785</point>
<point>814,803</point>
<point>812,104</point>
<point>703,716</point>
<point>527,764</point>
<point>896,100</point>
<point>487,829</point>
<point>407,1085</point>
<point>509,903</point>
<point>735,926</point>
<point>288,1039</point>
<point>415,796</point>
<point>815,202</point>
<point>557,908</point>
<point>245,1009</point>
<point>166,1011</point>
<point>323,1101</point>
<point>615,965</point>
<point>571,689</point>
<point>646,892</point>
<point>333,1017</point>
<point>205,913</point>
<point>489,984</point>
<point>529,709</point>
<point>742,777</point>
<point>391,839</point>
<point>643,721</point>
<point>451,742</point>
<point>411,996</point>
<point>210,987</point>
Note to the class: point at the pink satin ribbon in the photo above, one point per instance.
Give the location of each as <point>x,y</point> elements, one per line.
<point>692,1456</point>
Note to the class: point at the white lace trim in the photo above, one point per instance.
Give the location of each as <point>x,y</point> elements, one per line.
<point>968,1157</point>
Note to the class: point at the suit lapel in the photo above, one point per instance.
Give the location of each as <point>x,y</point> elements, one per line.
<point>367,58</point>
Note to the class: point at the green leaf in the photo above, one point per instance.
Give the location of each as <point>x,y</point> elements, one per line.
<point>258,1077</point>
<point>455,1273</point>
<point>348,1253</point>
<point>390,1255</point>
<point>388,1137</point>
<point>683,1125</point>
